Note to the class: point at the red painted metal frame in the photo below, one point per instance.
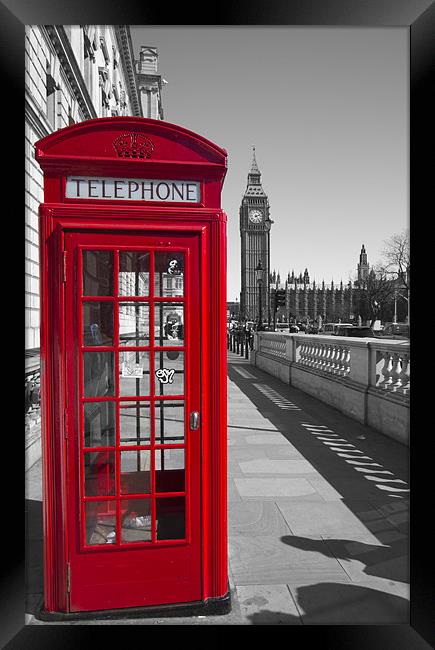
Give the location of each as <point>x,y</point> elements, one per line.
<point>85,149</point>
<point>148,399</point>
<point>166,557</point>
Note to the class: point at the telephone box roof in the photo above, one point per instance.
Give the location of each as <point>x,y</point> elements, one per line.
<point>131,142</point>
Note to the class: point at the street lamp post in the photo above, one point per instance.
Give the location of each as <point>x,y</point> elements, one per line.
<point>259,276</point>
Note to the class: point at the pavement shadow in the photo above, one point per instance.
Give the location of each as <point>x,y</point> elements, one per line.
<point>34,571</point>
<point>340,604</point>
<point>381,561</point>
<point>273,617</point>
<point>354,487</point>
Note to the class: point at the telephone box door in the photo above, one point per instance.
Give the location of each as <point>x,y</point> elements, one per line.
<point>132,336</point>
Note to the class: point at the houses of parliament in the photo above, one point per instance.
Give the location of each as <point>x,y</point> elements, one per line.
<point>305,300</point>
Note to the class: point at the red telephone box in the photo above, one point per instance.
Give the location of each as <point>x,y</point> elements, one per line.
<point>133,361</point>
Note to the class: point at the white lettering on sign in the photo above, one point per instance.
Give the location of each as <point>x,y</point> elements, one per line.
<point>132,189</point>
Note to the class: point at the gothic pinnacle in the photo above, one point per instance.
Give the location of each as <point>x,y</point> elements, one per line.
<point>254,166</point>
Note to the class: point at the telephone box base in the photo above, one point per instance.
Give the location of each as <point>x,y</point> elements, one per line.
<point>210,607</point>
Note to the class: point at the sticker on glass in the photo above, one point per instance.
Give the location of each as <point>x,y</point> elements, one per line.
<point>134,370</point>
<point>174,267</point>
<point>165,375</point>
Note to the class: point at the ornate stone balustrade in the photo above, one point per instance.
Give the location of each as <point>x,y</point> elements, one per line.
<point>327,357</point>
<point>273,344</point>
<point>392,368</point>
<point>366,378</point>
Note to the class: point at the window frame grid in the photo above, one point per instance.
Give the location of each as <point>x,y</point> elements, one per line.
<point>150,400</point>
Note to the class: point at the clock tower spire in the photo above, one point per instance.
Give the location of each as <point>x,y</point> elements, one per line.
<point>255,225</point>
<point>254,174</point>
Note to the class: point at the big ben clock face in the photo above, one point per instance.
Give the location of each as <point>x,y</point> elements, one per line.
<point>255,216</point>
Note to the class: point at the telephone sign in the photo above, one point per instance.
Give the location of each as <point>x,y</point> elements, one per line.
<point>132,189</point>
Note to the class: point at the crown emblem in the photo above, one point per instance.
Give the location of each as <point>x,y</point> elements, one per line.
<point>133,145</point>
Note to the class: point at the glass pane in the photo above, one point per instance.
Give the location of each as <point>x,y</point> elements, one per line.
<point>99,424</point>
<point>170,518</point>
<point>134,370</point>
<point>169,417</point>
<point>97,323</point>
<point>134,324</point>
<point>136,520</point>
<point>168,324</point>
<point>98,374</point>
<point>97,273</point>
<point>100,522</point>
<point>169,274</point>
<point>134,423</point>
<point>134,273</point>
<point>169,464</point>
<point>135,471</point>
<point>99,473</point>
<point>169,373</point>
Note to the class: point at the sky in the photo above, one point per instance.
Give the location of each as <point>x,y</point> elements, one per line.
<point>327,111</point>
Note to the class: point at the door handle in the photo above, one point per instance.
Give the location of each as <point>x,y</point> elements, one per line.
<point>194,420</point>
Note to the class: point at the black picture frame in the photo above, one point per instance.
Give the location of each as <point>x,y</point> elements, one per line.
<point>419,17</point>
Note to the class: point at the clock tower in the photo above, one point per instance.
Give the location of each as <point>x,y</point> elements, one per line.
<point>255,246</point>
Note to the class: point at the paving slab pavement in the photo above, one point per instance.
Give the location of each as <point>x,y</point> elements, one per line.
<point>317,516</point>
<point>340,488</point>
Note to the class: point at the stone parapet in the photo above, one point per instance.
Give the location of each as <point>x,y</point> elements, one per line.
<point>365,378</point>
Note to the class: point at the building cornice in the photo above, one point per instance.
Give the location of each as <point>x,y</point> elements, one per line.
<point>123,37</point>
<point>151,79</point>
<point>71,68</point>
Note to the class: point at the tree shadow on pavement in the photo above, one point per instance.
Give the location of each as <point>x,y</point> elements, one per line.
<point>339,604</point>
<point>388,562</point>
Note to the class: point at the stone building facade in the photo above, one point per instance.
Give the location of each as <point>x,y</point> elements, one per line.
<point>255,224</point>
<point>306,300</point>
<point>150,83</point>
<point>72,73</point>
